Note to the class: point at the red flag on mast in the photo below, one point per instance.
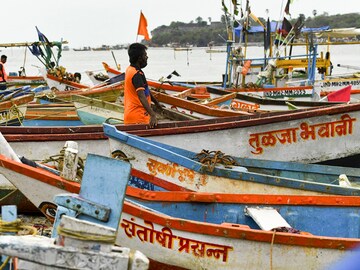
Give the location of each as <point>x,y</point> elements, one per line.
<point>341,95</point>
<point>142,29</point>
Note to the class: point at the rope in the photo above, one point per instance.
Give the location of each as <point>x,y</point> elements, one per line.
<point>113,119</point>
<point>15,227</point>
<point>3,265</point>
<point>86,236</point>
<point>211,158</point>
<point>8,195</point>
<point>271,249</point>
<point>58,161</point>
<point>14,110</point>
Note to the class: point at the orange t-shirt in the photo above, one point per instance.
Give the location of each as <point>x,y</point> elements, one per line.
<point>134,111</point>
<point>2,71</point>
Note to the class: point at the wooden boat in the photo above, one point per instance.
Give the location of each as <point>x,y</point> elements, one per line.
<point>334,83</point>
<point>51,114</point>
<point>96,78</point>
<point>237,230</point>
<point>9,195</point>
<point>26,80</point>
<point>248,98</point>
<point>280,176</point>
<point>209,173</point>
<point>314,67</point>
<point>40,252</point>
<point>85,48</point>
<point>106,92</point>
<point>306,136</point>
<point>298,92</point>
<point>213,50</point>
<point>179,49</point>
<point>13,109</point>
<point>94,111</point>
<point>194,108</point>
<point>251,102</point>
<point>161,85</point>
<point>61,84</point>
<point>182,230</point>
<point>82,237</point>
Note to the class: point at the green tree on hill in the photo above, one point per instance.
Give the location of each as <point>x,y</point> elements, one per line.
<point>200,33</point>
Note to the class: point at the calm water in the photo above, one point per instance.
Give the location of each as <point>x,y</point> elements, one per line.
<point>194,65</point>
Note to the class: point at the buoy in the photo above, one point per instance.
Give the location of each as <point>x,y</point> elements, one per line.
<point>246,67</point>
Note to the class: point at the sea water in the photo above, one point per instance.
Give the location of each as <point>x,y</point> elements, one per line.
<point>192,65</point>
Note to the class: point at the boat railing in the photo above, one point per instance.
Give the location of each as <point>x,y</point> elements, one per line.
<point>278,57</point>
<point>298,82</point>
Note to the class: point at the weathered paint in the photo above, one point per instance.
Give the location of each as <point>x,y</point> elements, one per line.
<point>170,165</point>
<point>233,131</point>
<point>238,242</point>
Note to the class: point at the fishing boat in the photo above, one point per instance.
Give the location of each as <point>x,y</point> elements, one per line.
<point>323,134</point>
<point>93,111</point>
<point>178,103</point>
<point>106,92</point>
<point>179,49</point>
<point>226,235</point>
<point>284,93</point>
<point>187,230</point>
<point>280,67</point>
<point>13,108</point>
<point>51,114</point>
<point>249,98</point>
<point>215,50</point>
<point>83,49</point>
<point>83,236</point>
<point>96,77</point>
<point>162,85</point>
<point>253,174</point>
<point>26,80</point>
<point>247,101</point>
<point>61,83</point>
<point>207,172</point>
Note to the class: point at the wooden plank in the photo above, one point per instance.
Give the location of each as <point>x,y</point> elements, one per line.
<point>267,218</point>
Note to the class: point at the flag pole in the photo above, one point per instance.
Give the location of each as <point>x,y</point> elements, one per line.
<point>137,32</point>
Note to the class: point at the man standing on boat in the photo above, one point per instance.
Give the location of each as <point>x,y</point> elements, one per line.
<point>137,95</point>
<point>3,74</point>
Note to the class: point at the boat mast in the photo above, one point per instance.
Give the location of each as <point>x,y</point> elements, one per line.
<point>229,20</point>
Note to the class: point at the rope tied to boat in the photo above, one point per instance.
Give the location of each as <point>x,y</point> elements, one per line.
<point>49,95</point>
<point>16,226</point>
<point>86,236</point>
<point>14,110</point>
<point>211,158</point>
<point>275,230</point>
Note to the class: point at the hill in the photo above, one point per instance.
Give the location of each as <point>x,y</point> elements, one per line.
<point>201,33</point>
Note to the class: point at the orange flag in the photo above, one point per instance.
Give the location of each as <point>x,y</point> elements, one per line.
<point>142,30</point>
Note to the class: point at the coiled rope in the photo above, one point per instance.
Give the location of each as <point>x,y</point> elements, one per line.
<point>15,227</point>
<point>85,236</point>
<point>211,158</point>
<point>14,110</point>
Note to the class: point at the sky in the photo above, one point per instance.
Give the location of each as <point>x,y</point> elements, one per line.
<point>110,22</point>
